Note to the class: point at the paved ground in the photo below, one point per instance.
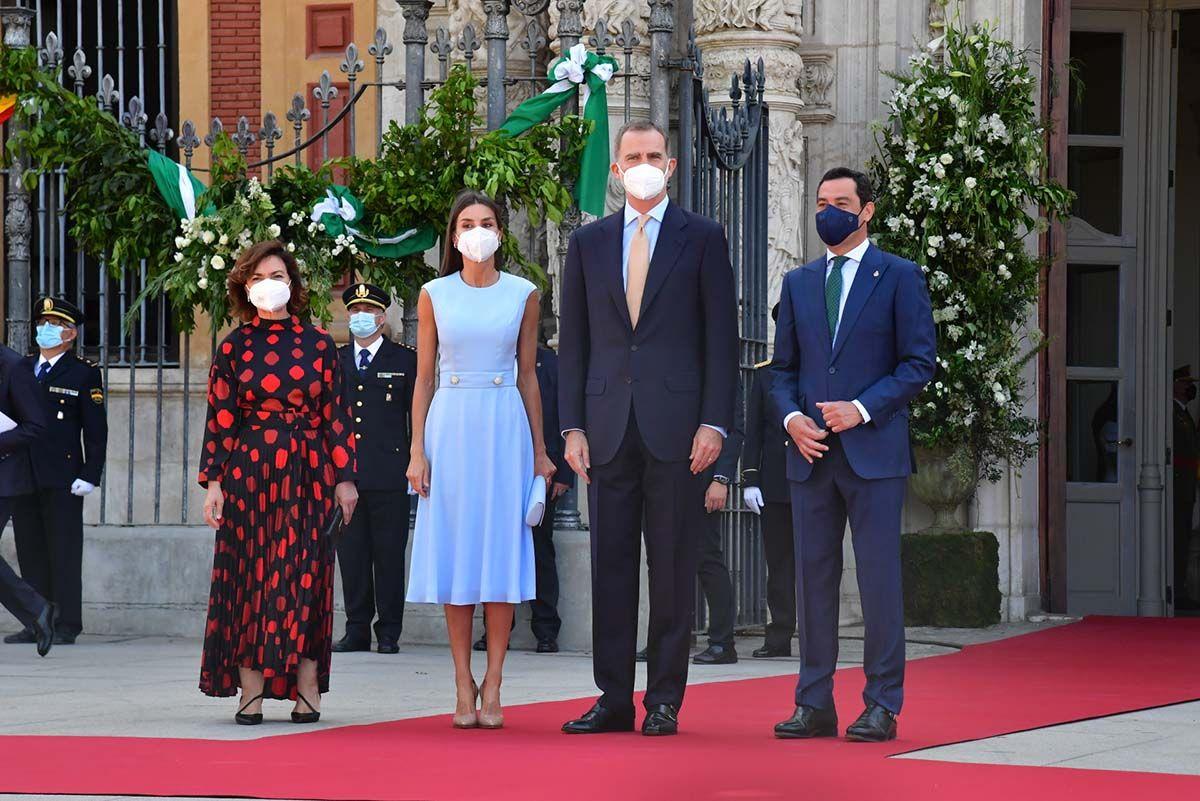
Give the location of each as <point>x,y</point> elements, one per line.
<point>147,687</point>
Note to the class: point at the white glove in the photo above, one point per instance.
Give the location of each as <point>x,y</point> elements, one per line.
<point>81,487</point>
<point>753,498</point>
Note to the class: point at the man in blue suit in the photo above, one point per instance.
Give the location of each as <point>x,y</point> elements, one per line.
<point>648,371</point>
<point>855,342</point>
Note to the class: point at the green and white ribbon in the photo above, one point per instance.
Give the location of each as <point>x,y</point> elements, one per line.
<point>586,73</point>
<point>180,189</point>
<point>341,212</point>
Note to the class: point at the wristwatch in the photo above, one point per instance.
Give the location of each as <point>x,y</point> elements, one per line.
<point>722,480</point>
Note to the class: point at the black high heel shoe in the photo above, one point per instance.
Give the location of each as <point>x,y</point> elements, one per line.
<point>312,716</point>
<point>249,720</point>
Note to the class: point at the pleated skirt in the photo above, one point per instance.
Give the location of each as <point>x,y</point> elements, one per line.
<point>271,602</point>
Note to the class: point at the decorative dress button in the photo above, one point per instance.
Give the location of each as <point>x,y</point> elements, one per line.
<point>497,380</point>
<point>360,387</point>
<point>358,403</point>
<point>453,379</point>
<point>358,436</point>
<point>358,419</point>
<point>833,371</point>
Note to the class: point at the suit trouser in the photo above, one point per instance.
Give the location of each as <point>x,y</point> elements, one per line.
<point>672,500</point>
<point>716,584</point>
<point>1185,498</point>
<point>544,621</point>
<point>779,547</point>
<point>15,594</point>
<point>371,556</point>
<point>832,494</point>
<point>49,529</point>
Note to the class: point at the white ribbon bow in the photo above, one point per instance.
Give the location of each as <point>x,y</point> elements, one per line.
<point>570,72</point>
<point>332,204</point>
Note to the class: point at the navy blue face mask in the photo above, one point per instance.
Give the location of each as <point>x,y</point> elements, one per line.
<point>834,224</point>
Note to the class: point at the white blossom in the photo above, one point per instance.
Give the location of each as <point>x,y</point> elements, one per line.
<point>946,158</point>
<point>970,183</point>
<point>208,237</point>
<point>202,283</point>
<point>178,258</point>
<point>273,230</point>
<point>217,262</point>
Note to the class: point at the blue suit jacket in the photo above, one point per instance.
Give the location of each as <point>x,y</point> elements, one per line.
<point>679,368</point>
<point>885,353</point>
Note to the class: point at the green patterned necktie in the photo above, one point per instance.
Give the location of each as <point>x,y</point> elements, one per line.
<point>833,293</point>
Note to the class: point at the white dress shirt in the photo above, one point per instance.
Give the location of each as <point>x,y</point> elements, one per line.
<point>372,349</point>
<point>849,271</point>
<point>43,360</point>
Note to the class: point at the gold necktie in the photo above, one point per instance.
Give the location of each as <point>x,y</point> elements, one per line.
<point>637,269</point>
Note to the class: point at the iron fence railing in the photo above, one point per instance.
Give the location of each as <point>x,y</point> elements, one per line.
<point>120,53</point>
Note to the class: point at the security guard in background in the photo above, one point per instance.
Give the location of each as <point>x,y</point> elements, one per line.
<point>67,464</point>
<point>765,490</point>
<point>379,378</point>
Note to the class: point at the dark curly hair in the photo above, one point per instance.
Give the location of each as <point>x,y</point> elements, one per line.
<point>239,304</point>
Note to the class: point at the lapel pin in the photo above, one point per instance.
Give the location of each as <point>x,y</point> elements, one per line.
<point>875,274</point>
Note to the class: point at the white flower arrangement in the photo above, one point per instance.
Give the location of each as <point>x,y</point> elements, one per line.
<point>961,166</point>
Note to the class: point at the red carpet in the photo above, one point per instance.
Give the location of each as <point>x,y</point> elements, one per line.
<point>1099,667</point>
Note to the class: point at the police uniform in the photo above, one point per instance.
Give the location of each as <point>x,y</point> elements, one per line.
<point>765,466</point>
<point>544,620</point>
<point>49,521</point>
<point>371,551</point>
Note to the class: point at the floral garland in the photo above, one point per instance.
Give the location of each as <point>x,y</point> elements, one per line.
<point>118,214</point>
<point>961,164</point>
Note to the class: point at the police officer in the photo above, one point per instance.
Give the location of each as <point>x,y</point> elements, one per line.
<point>765,490</point>
<point>379,378</point>
<point>713,572</point>
<point>67,465</point>
<point>22,425</point>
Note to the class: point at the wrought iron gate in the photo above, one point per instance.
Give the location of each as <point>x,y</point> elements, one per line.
<point>119,51</point>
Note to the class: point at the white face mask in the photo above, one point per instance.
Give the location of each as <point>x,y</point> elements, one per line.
<point>644,181</point>
<point>270,294</point>
<point>478,244</point>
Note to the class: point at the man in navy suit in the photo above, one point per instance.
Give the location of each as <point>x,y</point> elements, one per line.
<point>648,370</point>
<point>855,342</point>
<point>19,402</point>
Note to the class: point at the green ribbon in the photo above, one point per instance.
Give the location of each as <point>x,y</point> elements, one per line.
<point>340,212</point>
<point>585,73</point>
<point>181,190</point>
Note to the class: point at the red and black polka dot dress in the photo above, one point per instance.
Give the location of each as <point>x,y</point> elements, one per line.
<point>279,439</point>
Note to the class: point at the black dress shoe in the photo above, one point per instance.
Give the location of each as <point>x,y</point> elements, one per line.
<point>716,655</point>
<point>480,644</point>
<point>874,725</point>
<point>769,651</point>
<point>349,644</point>
<point>24,636</point>
<point>243,719</point>
<point>547,647</point>
<point>64,639</point>
<point>661,721</point>
<point>640,656</point>
<point>311,716</point>
<point>808,722</point>
<point>43,629</point>
<point>388,647</point>
<point>600,720</point>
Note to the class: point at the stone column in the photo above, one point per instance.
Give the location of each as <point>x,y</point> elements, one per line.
<point>728,32</point>
<point>18,221</point>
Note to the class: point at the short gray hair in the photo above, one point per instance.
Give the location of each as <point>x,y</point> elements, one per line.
<point>639,125</point>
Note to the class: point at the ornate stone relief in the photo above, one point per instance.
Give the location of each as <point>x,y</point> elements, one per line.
<point>815,84</point>
<point>785,186</point>
<point>764,15</point>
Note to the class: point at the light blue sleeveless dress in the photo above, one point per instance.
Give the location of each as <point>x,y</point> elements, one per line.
<point>471,544</point>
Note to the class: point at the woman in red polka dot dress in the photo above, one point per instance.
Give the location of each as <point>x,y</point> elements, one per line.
<point>278,457</point>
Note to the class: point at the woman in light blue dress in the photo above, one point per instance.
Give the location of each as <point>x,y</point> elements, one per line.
<point>476,448</point>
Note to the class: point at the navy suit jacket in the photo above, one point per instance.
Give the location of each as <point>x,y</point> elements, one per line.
<point>20,399</point>
<point>547,376</point>
<point>885,353</point>
<point>679,368</point>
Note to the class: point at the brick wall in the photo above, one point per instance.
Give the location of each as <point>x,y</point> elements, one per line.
<point>235,52</point>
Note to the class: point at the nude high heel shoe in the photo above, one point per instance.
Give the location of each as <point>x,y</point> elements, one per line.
<point>492,721</point>
<point>469,720</point>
